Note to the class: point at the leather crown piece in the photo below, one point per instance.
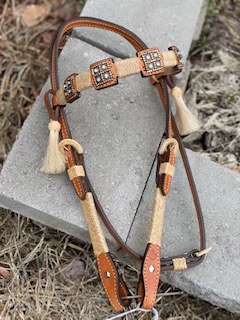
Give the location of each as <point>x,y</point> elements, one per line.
<point>160,68</point>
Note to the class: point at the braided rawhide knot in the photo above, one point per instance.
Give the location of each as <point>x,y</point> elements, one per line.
<point>166,143</point>
<point>54,161</point>
<point>176,91</point>
<point>54,126</point>
<point>71,142</point>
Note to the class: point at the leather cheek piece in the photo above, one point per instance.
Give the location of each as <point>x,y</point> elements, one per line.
<point>150,276</point>
<point>113,284</point>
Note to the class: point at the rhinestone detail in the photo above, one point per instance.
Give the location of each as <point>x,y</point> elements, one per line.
<point>178,68</point>
<point>103,73</point>
<point>107,274</point>
<point>151,61</point>
<point>151,268</point>
<point>69,90</point>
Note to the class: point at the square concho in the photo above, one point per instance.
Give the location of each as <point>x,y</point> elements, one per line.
<point>151,62</point>
<point>69,88</point>
<point>103,74</point>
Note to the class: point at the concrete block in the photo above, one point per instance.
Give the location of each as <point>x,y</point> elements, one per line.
<point>216,279</point>
<point>159,23</point>
<point>119,129</point>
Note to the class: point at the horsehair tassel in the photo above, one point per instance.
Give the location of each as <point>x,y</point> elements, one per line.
<point>54,161</point>
<point>185,120</point>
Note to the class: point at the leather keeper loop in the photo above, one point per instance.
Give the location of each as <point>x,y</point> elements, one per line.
<point>72,143</point>
<point>168,142</point>
<point>76,171</point>
<point>179,264</point>
<point>167,168</point>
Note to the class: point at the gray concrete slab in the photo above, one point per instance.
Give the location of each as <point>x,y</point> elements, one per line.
<point>113,127</point>
<point>159,23</point>
<point>217,278</point>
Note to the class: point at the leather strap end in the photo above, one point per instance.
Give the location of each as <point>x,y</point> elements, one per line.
<point>113,284</point>
<point>150,276</point>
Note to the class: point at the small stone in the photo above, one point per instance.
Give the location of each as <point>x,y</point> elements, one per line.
<point>150,66</point>
<point>148,57</point>
<point>74,270</point>
<point>158,64</point>
<point>106,75</point>
<point>98,79</point>
<point>155,55</point>
<point>96,70</point>
<point>104,66</point>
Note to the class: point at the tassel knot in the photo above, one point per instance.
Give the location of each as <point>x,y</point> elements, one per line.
<point>54,161</point>
<point>54,126</point>
<point>185,120</point>
<point>176,92</point>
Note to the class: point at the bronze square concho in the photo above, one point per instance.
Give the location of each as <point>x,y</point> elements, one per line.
<point>151,62</point>
<point>69,88</point>
<point>103,74</point>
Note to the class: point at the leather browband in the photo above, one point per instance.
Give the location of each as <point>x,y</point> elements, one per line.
<point>98,77</point>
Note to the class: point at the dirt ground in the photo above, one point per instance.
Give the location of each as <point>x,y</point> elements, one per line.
<point>47,274</point>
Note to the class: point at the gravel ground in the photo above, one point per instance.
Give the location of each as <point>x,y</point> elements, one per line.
<point>46,274</point>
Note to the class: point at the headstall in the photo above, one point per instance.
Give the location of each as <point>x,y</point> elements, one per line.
<point>160,68</point>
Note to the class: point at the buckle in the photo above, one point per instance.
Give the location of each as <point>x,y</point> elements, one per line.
<point>151,62</point>
<point>103,74</point>
<point>69,88</point>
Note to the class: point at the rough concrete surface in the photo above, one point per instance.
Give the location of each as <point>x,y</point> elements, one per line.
<point>159,23</point>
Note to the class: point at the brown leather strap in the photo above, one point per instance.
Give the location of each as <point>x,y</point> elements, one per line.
<point>113,284</point>
<point>82,185</point>
<point>150,276</point>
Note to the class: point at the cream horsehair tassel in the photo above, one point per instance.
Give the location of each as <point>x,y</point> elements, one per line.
<point>185,120</point>
<point>54,161</point>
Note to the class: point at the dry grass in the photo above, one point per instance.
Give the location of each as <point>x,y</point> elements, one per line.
<point>214,85</point>
<point>53,275</point>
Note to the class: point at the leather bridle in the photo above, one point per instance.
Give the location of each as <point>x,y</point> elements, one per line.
<point>114,286</point>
